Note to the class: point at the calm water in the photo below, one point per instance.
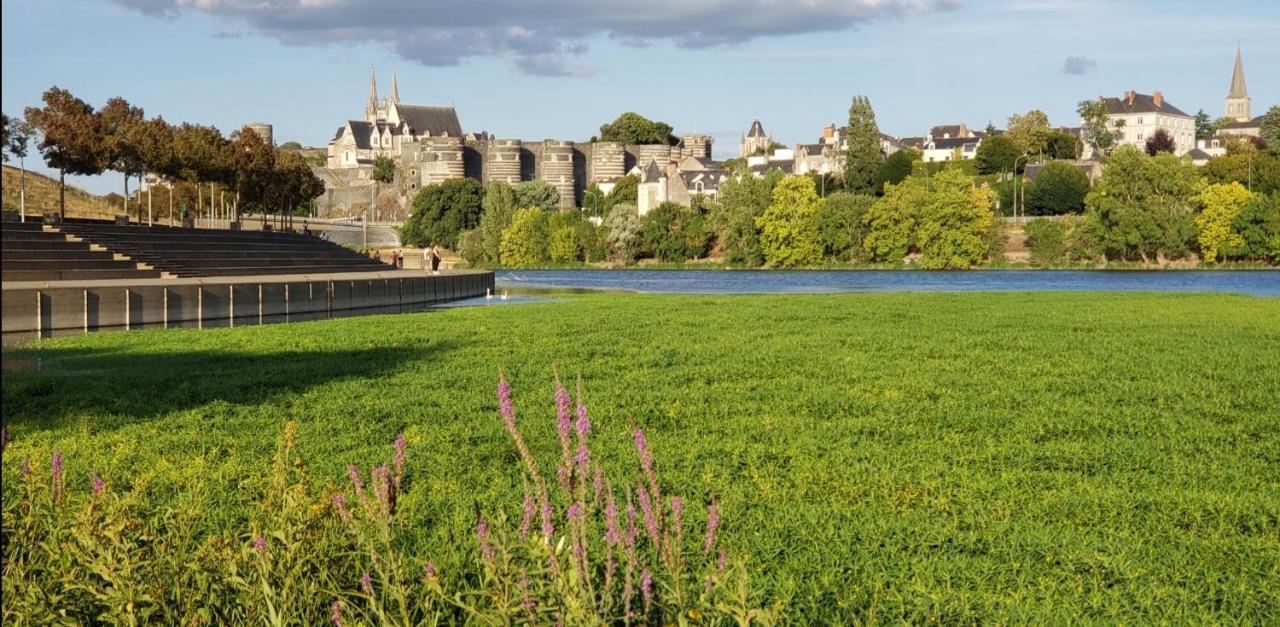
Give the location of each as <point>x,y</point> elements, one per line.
<point>1258,283</point>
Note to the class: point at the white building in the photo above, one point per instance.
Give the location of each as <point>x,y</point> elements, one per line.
<point>755,141</point>
<point>1141,115</point>
<point>388,129</point>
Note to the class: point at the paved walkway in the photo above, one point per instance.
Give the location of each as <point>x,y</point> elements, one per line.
<point>226,280</point>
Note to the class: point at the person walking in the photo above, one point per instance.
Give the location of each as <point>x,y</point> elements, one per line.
<point>435,260</point>
<point>426,258</point>
<point>399,258</point>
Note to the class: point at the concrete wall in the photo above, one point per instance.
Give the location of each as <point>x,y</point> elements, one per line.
<point>190,303</point>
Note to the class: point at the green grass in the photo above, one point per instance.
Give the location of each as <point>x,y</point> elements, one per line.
<point>1025,458</point>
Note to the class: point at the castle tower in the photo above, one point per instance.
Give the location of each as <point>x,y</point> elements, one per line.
<point>755,141</point>
<point>1238,102</point>
<point>371,109</point>
<point>395,89</point>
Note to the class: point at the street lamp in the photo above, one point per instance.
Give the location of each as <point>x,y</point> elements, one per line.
<point>1015,184</point>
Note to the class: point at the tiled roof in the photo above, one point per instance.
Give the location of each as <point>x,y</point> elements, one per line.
<point>430,120</point>
<point>1140,103</point>
<point>757,129</point>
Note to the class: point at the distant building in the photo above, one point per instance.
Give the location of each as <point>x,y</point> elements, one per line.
<point>755,141</point>
<point>1238,105</point>
<point>677,182</point>
<point>949,142</point>
<point>1142,115</point>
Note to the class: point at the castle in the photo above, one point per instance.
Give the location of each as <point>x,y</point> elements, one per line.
<point>429,146</point>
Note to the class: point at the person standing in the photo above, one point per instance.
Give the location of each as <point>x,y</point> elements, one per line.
<point>435,260</point>
<point>426,258</point>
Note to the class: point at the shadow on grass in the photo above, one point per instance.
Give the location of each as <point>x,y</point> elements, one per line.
<point>55,386</point>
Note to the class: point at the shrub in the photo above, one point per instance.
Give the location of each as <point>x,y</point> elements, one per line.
<point>891,221</point>
<point>789,227</point>
<point>952,225</point>
<point>1047,241</point>
<point>1258,224</point>
<point>1220,204</point>
<point>672,232</point>
<point>840,226</point>
<point>537,194</point>
<point>471,247</point>
<point>524,243</point>
<point>623,232</point>
<point>564,247</point>
<point>1059,188</point>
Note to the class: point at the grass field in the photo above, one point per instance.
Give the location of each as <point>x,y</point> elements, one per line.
<point>42,197</point>
<point>958,458</point>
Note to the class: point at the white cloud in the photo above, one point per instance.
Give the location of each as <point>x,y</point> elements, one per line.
<point>543,37</point>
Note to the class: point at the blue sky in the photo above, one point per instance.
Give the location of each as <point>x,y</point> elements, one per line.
<point>710,66</point>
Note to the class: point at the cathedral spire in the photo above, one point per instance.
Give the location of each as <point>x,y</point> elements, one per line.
<point>1238,90</point>
<point>1238,103</point>
<point>371,109</point>
<point>395,90</point>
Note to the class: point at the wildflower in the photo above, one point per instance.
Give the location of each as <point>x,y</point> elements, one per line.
<point>564,424</point>
<point>98,485</point>
<point>356,482</point>
<point>482,532</point>
<point>56,474</point>
<point>505,407</point>
<point>646,463</point>
<point>260,544</point>
<point>612,535</point>
<point>722,561</point>
<point>646,506</point>
<point>548,528</point>
<point>397,461</point>
<point>383,489</point>
<point>583,456</point>
<point>335,614</point>
<point>366,583</point>
<point>583,425</point>
<point>340,504</point>
<point>575,511</point>
<point>632,531</point>
<point>430,569</point>
<point>646,588</point>
<point>597,484</point>
<point>529,511</point>
<point>526,602</point>
<point>713,523</point>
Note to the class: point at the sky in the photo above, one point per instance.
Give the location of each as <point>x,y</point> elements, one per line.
<point>536,69</point>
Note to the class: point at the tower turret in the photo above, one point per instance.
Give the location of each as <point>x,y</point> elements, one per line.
<point>1238,101</point>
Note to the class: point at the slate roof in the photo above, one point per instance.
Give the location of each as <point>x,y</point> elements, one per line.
<point>1199,155</point>
<point>949,130</point>
<point>912,142</point>
<point>651,172</point>
<point>1142,103</point>
<point>430,120</point>
<point>1238,90</point>
<point>1254,123</point>
<point>361,131</point>
<point>954,142</point>
<point>757,129</point>
<point>812,150</point>
<point>710,180</point>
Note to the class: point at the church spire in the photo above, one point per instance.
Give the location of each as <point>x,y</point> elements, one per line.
<point>371,109</point>
<point>395,90</point>
<point>1238,90</point>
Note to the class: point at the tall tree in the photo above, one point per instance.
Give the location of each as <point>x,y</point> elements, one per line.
<point>200,154</point>
<point>384,172</point>
<point>1271,129</point>
<point>1100,131</point>
<point>742,199</point>
<point>952,225</point>
<point>17,142</point>
<point>891,221</point>
<point>789,227</point>
<point>254,173</point>
<point>1204,125</point>
<point>1141,207</point>
<point>1029,131</point>
<point>1059,189</point>
<point>862,158</point>
<point>1161,141</point>
<point>155,146</point>
<point>1220,204</point>
<point>496,211</point>
<point>1064,146</point>
<point>537,194</point>
<point>71,138</point>
<point>122,127</point>
<point>897,168</point>
<point>996,154</point>
<point>633,128</point>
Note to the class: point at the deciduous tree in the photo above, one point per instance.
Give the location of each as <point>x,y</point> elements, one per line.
<point>524,243</point>
<point>896,168</point>
<point>71,138</point>
<point>1141,207</point>
<point>442,211</point>
<point>840,225</point>
<point>1059,188</point>
<point>789,227</point>
<point>1161,141</point>
<point>1271,129</point>
<point>623,232</point>
<point>633,128</point>
<point>1220,204</point>
<point>1029,132</point>
<point>537,194</point>
<point>996,154</point>
<point>1100,131</point>
<point>891,221</point>
<point>953,223</point>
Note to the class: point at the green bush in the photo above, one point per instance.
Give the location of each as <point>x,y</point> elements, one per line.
<point>1046,240</point>
<point>441,212</point>
<point>1059,188</point>
<point>840,225</point>
<point>564,247</point>
<point>673,232</point>
<point>524,243</point>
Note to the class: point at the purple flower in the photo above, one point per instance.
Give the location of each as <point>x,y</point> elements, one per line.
<point>366,583</point>
<point>505,407</point>
<point>356,482</point>
<point>482,532</point>
<point>722,561</point>
<point>612,534</point>
<point>713,523</point>
<point>260,544</point>
<point>632,531</point>
<point>430,569</point>
<point>575,510</point>
<point>397,461</point>
<point>526,602</point>
<point>384,489</point>
<point>583,456</point>
<point>583,425</point>
<point>98,485</point>
<point>340,504</point>
<point>335,613</point>
<point>548,528</point>
<point>26,466</point>
<point>646,506</point>
<point>564,426</point>
<point>597,484</point>
<point>530,509</point>
<point>677,506</point>
<point>56,473</point>
<point>646,587</point>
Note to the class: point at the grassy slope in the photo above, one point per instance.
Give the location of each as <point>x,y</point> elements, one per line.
<point>42,197</point>
<point>1006,458</point>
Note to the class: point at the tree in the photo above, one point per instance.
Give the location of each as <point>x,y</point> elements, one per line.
<point>1271,129</point>
<point>496,211</point>
<point>200,153</point>
<point>625,190</point>
<point>443,211</point>
<point>1220,204</point>
<point>1258,225</point>
<point>537,194</point>
<point>291,146</point>
<point>1029,132</point>
<point>1046,240</point>
<point>1059,188</point>
<point>840,226</point>
<point>1160,141</point>
<point>952,225</point>
<point>71,138</point>
<point>996,154</point>
<point>862,157</point>
<point>742,199</point>
<point>1258,171</point>
<point>563,246</point>
<point>524,243</point>
<point>254,174</point>
<point>122,126</point>
<point>1204,125</point>
<point>624,227</point>
<point>789,227</point>
<point>384,172</point>
<point>17,142</point>
<point>1100,131</point>
<point>155,145</point>
<point>633,128</point>
<point>1064,146</point>
<point>891,221</point>
<point>673,232</point>
<point>1141,207</point>
<point>471,247</point>
<point>896,168</point>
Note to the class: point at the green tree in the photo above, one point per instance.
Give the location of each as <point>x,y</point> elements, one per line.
<point>524,243</point>
<point>840,225</point>
<point>891,221</point>
<point>673,232</point>
<point>896,168</point>
<point>71,138</point>
<point>471,247</point>
<point>17,142</point>
<point>122,126</point>
<point>537,194</point>
<point>862,158</point>
<point>563,246</point>
<point>1220,204</point>
<point>789,227</point>
<point>1046,240</point>
<point>996,154</point>
<point>1271,129</point>
<point>626,190</point>
<point>623,232</point>
<point>291,146</point>
<point>1258,225</point>
<point>1064,146</point>
<point>442,211</point>
<point>633,128</point>
<point>1100,131</point>
<point>254,172</point>
<point>1204,125</point>
<point>952,225</point>
<point>1258,171</point>
<point>742,199</point>
<point>497,210</point>
<point>384,173</point>
<point>1059,188</point>
<point>1141,207</point>
<point>1029,132</point>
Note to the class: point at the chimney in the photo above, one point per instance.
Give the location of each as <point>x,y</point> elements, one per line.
<point>1129,96</point>
<point>1158,98</point>
<point>829,131</point>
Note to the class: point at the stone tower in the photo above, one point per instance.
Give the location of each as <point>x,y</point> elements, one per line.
<point>371,109</point>
<point>395,89</point>
<point>1237,105</point>
<point>755,141</point>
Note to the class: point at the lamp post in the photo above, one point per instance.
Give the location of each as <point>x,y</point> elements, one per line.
<point>1015,184</point>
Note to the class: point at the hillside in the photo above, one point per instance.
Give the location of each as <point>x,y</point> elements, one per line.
<point>42,197</point>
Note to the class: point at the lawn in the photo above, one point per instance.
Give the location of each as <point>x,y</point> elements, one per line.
<point>960,458</point>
